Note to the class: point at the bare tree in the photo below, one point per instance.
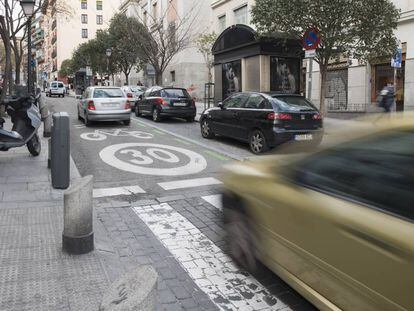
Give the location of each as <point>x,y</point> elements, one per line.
<point>204,45</point>
<point>161,40</point>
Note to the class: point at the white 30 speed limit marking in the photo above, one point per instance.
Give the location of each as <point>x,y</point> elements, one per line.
<point>143,154</point>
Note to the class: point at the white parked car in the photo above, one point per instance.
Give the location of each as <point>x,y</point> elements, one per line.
<point>133,92</point>
<point>104,103</point>
<point>56,88</point>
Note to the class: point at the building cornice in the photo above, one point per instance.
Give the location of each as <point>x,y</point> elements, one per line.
<point>218,3</point>
<point>406,16</point>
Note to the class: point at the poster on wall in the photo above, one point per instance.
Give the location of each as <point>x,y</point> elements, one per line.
<point>284,75</point>
<point>232,79</point>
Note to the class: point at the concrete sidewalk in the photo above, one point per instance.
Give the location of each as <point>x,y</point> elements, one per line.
<point>34,272</point>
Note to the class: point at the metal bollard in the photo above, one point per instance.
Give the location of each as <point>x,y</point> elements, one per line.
<point>77,237</point>
<point>60,155</point>
<point>49,153</point>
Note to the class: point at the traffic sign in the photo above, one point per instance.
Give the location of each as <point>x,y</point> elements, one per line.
<point>396,61</point>
<point>311,39</point>
<point>310,53</point>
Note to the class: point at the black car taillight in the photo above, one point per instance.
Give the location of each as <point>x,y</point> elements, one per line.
<point>161,101</point>
<point>279,116</point>
<point>317,116</point>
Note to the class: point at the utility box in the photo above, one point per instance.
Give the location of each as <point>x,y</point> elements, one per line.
<point>60,151</point>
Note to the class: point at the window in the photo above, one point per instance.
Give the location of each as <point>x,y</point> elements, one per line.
<point>240,15</point>
<point>99,19</point>
<point>235,101</point>
<point>174,93</point>
<point>173,76</point>
<point>375,171</point>
<point>257,101</point>
<point>84,33</point>
<point>84,4</point>
<point>84,18</point>
<point>293,103</point>
<point>222,23</point>
<point>108,93</point>
<point>99,5</point>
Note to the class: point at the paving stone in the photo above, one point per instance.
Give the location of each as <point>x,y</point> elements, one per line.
<point>166,296</point>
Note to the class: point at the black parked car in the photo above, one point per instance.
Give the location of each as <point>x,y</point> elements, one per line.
<point>162,102</point>
<point>264,120</point>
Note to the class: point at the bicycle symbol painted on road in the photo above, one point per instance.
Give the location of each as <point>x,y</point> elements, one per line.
<point>100,135</point>
<point>153,159</point>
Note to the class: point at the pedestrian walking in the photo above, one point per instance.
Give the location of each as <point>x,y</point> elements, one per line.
<point>386,99</point>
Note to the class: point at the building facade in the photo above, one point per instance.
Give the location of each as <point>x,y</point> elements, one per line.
<point>67,24</point>
<point>352,86</point>
<point>187,69</point>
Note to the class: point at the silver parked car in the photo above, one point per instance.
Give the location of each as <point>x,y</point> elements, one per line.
<point>101,103</point>
<point>133,92</point>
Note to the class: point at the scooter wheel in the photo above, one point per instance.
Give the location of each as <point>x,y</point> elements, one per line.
<point>34,145</point>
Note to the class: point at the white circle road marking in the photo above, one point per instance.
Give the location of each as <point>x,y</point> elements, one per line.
<point>196,164</point>
<point>94,136</point>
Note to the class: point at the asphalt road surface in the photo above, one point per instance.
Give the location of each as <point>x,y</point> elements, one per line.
<point>148,160</point>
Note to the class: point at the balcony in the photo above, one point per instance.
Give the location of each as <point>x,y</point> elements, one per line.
<point>54,39</point>
<point>54,25</point>
<point>54,54</point>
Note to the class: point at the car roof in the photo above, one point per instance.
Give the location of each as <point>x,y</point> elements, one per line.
<point>105,87</point>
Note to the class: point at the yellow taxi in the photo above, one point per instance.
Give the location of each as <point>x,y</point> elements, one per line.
<point>337,224</point>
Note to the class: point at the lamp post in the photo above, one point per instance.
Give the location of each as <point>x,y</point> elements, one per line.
<point>108,56</point>
<point>28,9</point>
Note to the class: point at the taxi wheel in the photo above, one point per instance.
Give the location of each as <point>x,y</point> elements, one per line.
<point>240,239</point>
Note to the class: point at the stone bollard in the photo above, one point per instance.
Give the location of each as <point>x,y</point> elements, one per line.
<point>77,237</point>
<point>136,290</point>
<point>47,126</point>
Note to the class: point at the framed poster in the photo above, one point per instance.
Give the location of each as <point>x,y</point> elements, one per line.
<point>232,78</point>
<point>285,75</point>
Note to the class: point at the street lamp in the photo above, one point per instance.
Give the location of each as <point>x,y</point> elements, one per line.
<point>28,9</point>
<point>108,56</point>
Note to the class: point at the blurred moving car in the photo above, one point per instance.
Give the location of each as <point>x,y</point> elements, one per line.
<point>264,120</point>
<point>56,88</point>
<point>337,225</point>
<point>133,92</point>
<point>104,104</point>
<point>162,102</point>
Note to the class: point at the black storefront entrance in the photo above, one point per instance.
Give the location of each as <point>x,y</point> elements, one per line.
<point>245,62</point>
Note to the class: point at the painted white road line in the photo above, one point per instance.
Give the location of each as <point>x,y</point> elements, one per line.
<point>212,270</point>
<point>189,183</point>
<point>111,192</point>
<point>214,200</point>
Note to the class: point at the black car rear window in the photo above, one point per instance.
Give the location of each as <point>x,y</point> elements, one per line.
<point>174,93</point>
<point>293,103</point>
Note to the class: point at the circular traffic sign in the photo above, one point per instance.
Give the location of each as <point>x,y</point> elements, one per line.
<point>139,158</point>
<point>311,39</point>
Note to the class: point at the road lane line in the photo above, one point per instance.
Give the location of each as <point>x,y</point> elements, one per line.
<point>189,183</point>
<point>212,270</point>
<point>195,142</point>
<point>111,192</point>
<point>214,200</point>
<point>217,155</point>
<point>182,141</point>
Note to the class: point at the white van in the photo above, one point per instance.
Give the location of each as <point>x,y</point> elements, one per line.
<point>56,88</point>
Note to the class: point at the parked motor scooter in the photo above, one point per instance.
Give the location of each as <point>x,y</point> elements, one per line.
<point>25,116</point>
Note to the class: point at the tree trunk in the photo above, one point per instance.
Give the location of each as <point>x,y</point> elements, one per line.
<point>158,77</point>
<point>210,75</point>
<point>126,77</point>
<point>323,72</point>
<point>18,65</point>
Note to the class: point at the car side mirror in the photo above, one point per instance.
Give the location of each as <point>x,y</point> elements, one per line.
<point>140,97</point>
<point>220,105</point>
